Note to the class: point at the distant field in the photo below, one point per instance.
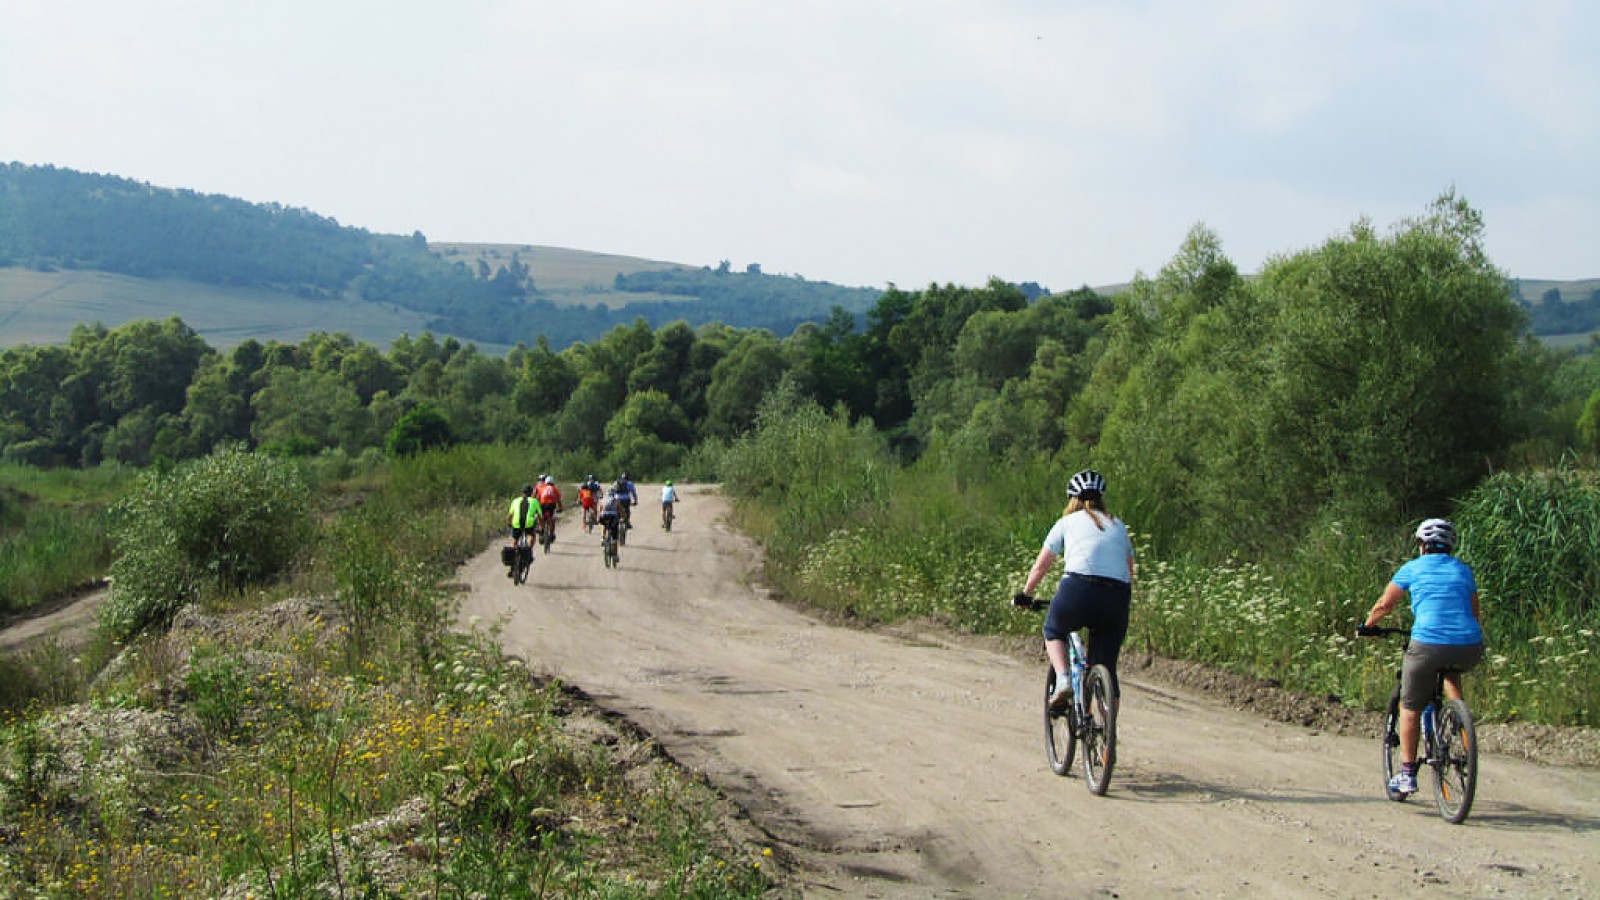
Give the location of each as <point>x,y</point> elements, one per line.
<point>564,277</point>
<point>42,307</point>
<point>1533,288</point>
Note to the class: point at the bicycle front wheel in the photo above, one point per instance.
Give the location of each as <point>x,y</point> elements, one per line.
<point>1455,762</point>
<point>1391,747</point>
<point>1059,737</point>
<point>1099,729</point>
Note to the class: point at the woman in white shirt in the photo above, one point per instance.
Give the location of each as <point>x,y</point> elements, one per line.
<point>1097,588</point>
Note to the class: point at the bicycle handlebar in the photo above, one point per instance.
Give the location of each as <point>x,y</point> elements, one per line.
<point>1381,631</point>
<point>1023,601</point>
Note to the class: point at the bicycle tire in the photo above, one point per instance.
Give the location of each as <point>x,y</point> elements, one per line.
<point>520,569</point>
<point>1100,729</point>
<point>1060,733</point>
<point>1455,762</point>
<point>1390,745</point>
<point>622,533</point>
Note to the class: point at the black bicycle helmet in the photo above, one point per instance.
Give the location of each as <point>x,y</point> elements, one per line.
<point>1087,482</point>
<point>527,489</point>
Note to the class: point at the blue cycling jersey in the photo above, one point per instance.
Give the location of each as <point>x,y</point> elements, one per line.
<point>1441,589</point>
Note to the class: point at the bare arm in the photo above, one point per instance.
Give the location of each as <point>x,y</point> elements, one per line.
<point>1386,604</point>
<point>1041,567</point>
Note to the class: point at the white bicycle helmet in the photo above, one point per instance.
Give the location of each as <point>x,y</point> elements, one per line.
<point>1437,531</point>
<point>1086,482</point>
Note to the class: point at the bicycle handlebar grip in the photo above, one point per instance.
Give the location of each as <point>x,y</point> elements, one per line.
<point>1368,631</point>
<point>1024,601</point>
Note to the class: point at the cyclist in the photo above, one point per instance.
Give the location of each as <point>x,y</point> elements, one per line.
<point>1095,591</point>
<point>610,513</point>
<point>549,503</point>
<point>520,518</point>
<point>669,496</point>
<point>589,496</point>
<point>627,496</point>
<point>1446,633</point>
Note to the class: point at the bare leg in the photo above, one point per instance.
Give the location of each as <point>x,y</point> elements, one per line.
<point>1410,734</point>
<point>1057,651</point>
<point>1452,685</point>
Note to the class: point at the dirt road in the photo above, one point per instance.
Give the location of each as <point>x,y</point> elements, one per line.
<point>899,767</point>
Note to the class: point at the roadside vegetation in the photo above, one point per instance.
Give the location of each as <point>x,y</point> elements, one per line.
<point>305,723</point>
<point>1271,442</point>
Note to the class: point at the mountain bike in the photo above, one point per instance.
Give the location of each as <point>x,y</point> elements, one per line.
<point>624,522</point>
<point>1449,744</point>
<point>666,516</point>
<point>1090,719</point>
<point>608,547</point>
<point>591,516</point>
<point>521,558</point>
<point>547,532</point>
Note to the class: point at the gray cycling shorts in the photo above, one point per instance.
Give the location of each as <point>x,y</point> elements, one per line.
<point>1422,664</point>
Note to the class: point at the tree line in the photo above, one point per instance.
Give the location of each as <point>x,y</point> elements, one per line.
<point>1375,376</point>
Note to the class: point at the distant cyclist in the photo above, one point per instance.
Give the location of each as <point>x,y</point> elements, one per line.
<point>1095,591</point>
<point>627,495</point>
<point>549,503</point>
<point>590,493</point>
<point>1446,633</point>
<point>523,516</point>
<point>610,513</point>
<point>669,496</point>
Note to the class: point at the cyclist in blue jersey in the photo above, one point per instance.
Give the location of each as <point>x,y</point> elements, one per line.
<point>1446,633</point>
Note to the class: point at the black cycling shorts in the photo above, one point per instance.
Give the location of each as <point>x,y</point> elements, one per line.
<point>1098,604</point>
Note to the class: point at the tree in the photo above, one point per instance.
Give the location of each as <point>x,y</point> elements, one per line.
<point>739,381</point>
<point>315,405</point>
<point>420,429</point>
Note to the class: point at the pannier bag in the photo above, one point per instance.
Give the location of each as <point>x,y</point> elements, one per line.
<point>508,555</point>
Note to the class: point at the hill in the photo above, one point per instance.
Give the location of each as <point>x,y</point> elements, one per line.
<point>74,244</point>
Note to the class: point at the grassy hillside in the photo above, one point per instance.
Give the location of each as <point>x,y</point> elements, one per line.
<point>564,276</point>
<point>41,307</point>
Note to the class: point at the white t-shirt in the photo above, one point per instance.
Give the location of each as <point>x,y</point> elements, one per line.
<point>668,495</point>
<point>1087,550</point>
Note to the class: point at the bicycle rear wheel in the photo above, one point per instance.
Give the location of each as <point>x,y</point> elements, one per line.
<point>1455,763</point>
<point>1100,729</point>
<point>1060,738</point>
<point>1391,747</point>
<point>520,570</point>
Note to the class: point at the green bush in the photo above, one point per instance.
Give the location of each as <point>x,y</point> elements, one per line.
<point>420,429</point>
<point>224,521</point>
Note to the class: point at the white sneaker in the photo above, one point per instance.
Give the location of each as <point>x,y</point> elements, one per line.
<point>1403,783</point>
<point>1061,697</point>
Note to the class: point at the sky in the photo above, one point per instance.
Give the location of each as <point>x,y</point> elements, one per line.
<point>863,142</point>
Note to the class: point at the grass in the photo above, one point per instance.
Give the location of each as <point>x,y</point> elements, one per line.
<point>54,530</point>
<point>922,543</point>
<point>564,277</point>
<point>329,736</point>
<point>42,307</point>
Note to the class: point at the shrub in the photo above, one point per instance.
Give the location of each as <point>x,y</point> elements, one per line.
<point>421,429</point>
<point>227,520</point>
